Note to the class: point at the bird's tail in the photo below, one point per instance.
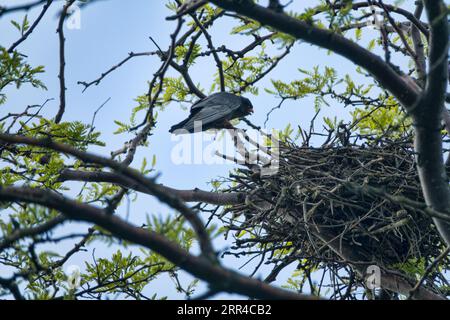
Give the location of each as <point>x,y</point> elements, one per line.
<point>177,128</point>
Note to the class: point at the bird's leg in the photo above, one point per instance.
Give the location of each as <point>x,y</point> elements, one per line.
<point>226,124</point>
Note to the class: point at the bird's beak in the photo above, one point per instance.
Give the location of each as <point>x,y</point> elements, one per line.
<point>251,110</point>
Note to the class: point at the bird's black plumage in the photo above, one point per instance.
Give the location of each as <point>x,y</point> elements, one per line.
<point>215,112</point>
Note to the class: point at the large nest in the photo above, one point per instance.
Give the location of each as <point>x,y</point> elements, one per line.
<point>366,197</point>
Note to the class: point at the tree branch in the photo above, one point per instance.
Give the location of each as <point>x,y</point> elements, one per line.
<point>381,71</point>
<point>32,231</point>
<point>220,278</point>
<point>394,8</point>
<point>421,64</point>
<point>134,175</point>
<point>130,56</point>
<point>22,7</point>
<point>213,50</point>
<point>62,62</point>
<point>195,195</point>
<point>12,286</point>
<point>31,29</point>
<point>427,118</point>
<point>388,280</point>
<point>425,109</point>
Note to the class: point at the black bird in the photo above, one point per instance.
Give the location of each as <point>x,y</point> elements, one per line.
<point>215,112</point>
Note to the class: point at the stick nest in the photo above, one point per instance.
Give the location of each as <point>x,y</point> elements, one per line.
<point>359,194</point>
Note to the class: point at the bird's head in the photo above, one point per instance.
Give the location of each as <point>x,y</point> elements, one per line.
<point>247,106</point>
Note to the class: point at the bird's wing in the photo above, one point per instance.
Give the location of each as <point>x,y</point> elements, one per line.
<point>218,98</point>
<point>210,114</point>
<point>199,104</point>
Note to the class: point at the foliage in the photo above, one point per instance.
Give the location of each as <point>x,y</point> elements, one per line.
<point>275,223</point>
<point>14,70</point>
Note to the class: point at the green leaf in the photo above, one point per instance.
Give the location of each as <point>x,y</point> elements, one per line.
<point>16,24</point>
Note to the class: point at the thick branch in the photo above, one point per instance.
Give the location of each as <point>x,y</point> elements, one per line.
<point>427,118</point>
<point>195,195</point>
<point>381,71</point>
<point>220,278</point>
<point>12,286</point>
<point>134,175</point>
<point>187,78</point>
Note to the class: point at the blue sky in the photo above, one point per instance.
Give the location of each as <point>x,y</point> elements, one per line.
<point>111,29</point>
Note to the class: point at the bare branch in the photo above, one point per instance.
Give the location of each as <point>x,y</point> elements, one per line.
<point>213,49</point>
<point>62,62</point>
<point>130,56</point>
